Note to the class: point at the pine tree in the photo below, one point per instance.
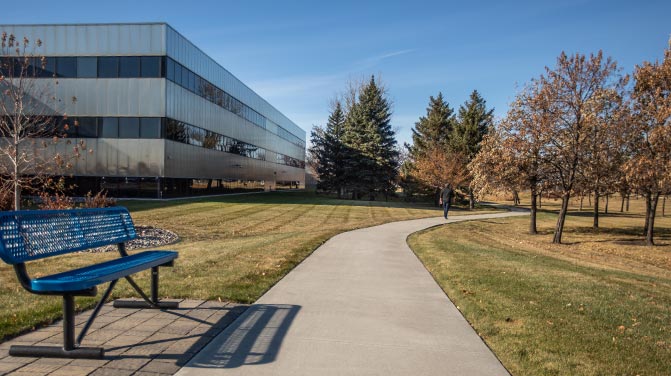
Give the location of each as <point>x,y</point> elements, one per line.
<point>431,132</point>
<point>328,150</point>
<point>319,157</point>
<point>434,129</point>
<point>372,157</point>
<point>473,122</point>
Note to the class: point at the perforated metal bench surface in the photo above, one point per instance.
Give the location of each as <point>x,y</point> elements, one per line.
<point>89,276</point>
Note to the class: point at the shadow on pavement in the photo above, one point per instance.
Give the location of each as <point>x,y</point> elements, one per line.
<point>255,338</point>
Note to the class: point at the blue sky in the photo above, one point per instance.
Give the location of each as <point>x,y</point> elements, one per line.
<point>300,54</point>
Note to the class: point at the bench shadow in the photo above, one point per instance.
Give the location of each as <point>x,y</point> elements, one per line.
<point>254,338</point>
<point>245,335</point>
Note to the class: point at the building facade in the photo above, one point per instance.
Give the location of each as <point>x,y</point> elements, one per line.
<point>162,118</point>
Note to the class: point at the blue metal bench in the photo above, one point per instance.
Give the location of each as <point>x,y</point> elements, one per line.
<point>36,234</point>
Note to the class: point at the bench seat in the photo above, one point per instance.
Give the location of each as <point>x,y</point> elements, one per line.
<point>90,276</point>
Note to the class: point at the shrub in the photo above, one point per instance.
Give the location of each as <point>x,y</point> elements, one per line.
<point>55,202</point>
<point>99,200</point>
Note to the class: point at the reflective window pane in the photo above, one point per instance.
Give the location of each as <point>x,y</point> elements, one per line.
<point>192,81</point>
<point>109,128</point>
<point>49,69</point>
<point>129,127</point>
<point>87,67</point>
<point>185,78</point>
<point>150,127</point>
<point>129,66</point>
<point>108,67</point>
<point>150,66</point>
<point>178,74</point>
<point>66,67</point>
<point>88,127</point>
<point>170,70</point>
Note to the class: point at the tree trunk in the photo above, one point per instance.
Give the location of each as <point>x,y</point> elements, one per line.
<point>664,206</point>
<point>651,221</point>
<point>595,225</point>
<point>532,223</point>
<point>516,198</point>
<point>622,204</point>
<point>559,228</point>
<point>471,199</point>
<point>17,187</point>
<point>607,200</point>
<point>540,200</point>
<point>648,207</point>
<point>589,199</point>
<point>581,200</point>
<point>628,195</point>
<point>436,197</point>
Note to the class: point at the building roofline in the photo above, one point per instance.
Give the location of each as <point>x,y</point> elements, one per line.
<point>89,24</point>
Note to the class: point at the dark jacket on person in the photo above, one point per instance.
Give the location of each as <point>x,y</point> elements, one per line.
<point>446,195</point>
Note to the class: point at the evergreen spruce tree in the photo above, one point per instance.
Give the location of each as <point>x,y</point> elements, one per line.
<point>434,129</point>
<point>328,150</point>
<point>430,132</point>
<point>473,122</point>
<point>336,150</point>
<point>372,157</point>
<point>318,154</point>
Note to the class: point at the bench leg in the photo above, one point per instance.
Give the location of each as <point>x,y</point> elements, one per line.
<point>152,302</point>
<point>69,349</point>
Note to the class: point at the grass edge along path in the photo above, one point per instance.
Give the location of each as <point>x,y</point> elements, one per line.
<point>232,248</point>
<point>547,315</point>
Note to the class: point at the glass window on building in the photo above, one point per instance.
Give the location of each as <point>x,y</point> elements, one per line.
<point>150,127</point>
<point>88,127</point>
<point>129,127</point>
<point>70,127</point>
<point>170,69</point>
<point>108,67</point>
<point>150,66</point>
<point>185,78</point>
<point>178,74</point>
<point>49,69</point>
<point>109,127</point>
<point>192,81</point>
<point>66,67</point>
<point>87,67</point>
<point>129,66</point>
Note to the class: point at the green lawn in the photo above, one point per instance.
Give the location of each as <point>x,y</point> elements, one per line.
<point>599,305</point>
<point>232,248</point>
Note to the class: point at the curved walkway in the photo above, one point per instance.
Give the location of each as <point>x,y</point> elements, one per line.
<point>361,304</point>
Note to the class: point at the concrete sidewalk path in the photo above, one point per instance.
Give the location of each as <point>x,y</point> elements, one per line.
<point>361,304</point>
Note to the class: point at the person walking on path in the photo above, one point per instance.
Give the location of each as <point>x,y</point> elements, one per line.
<point>446,199</point>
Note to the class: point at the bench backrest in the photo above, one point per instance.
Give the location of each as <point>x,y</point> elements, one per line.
<point>34,234</point>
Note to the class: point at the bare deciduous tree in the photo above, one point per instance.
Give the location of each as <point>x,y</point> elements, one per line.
<point>28,107</point>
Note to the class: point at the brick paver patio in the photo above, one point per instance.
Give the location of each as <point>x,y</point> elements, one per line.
<point>136,341</point>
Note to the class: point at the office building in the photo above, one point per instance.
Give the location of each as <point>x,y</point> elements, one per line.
<point>163,119</point>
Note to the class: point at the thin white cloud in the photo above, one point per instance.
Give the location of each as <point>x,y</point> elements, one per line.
<point>375,60</point>
<point>318,84</point>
